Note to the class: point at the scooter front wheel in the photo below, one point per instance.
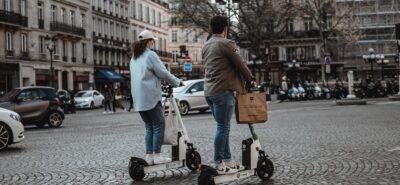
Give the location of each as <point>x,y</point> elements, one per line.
<point>193,160</point>
<point>136,168</point>
<point>265,168</point>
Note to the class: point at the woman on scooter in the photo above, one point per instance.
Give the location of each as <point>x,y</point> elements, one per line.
<point>147,71</point>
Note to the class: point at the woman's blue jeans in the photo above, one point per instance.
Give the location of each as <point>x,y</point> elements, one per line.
<point>222,106</point>
<point>154,120</point>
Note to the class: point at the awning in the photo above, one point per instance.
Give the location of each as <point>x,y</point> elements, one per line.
<point>108,76</point>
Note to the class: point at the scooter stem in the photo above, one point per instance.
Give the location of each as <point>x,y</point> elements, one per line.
<point>253,134</point>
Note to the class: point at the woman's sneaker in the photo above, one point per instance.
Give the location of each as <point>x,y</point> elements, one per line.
<point>158,159</point>
<point>150,159</point>
<point>223,169</point>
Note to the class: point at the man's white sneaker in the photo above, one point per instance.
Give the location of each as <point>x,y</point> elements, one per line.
<point>158,159</point>
<point>105,112</point>
<point>150,159</point>
<point>223,169</point>
<point>234,165</point>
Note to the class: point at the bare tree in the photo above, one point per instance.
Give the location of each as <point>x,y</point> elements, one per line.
<point>253,23</point>
<point>334,24</point>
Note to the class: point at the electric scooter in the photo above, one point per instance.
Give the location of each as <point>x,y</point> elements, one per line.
<point>254,161</point>
<point>183,154</point>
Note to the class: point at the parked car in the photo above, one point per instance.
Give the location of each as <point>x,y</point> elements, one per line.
<point>88,99</point>
<point>35,104</point>
<point>191,96</point>
<point>67,101</point>
<point>11,128</point>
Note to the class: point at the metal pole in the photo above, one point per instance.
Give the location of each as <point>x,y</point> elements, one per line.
<point>51,68</point>
<point>372,68</point>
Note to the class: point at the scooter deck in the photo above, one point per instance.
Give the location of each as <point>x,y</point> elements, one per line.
<point>235,176</point>
<point>164,166</point>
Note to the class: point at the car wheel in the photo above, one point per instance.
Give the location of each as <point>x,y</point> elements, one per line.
<point>91,105</point>
<point>5,136</point>
<point>184,108</point>
<point>55,119</point>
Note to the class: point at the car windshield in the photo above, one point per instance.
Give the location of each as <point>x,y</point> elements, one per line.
<point>10,95</point>
<point>180,89</point>
<point>83,94</point>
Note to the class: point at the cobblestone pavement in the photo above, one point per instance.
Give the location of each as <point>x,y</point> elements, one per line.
<point>309,143</point>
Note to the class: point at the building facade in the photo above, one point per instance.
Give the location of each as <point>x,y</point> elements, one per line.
<point>26,28</point>
<point>111,39</point>
<point>186,42</point>
<point>152,15</point>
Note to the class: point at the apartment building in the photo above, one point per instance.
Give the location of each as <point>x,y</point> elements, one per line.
<point>186,42</point>
<point>152,15</point>
<point>111,40</point>
<point>26,28</point>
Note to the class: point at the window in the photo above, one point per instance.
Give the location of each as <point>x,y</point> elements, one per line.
<point>64,48</point>
<point>126,12</point>
<point>83,50</point>
<point>63,15</point>
<point>23,7</point>
<point>198,87</point>
<point>140,15</point>
<point>41,45</point>
<point>147,15</point>
<point>105,27</point>
<point>72,17</point>
<point>153,17</point>
<point>73,49</point>
<point>117,30</point>
<point>159,19</point>
<point>100,25</point>
<point>308,25</point>
<point>94,25</point>
<point>25,96</point>
<point>133,11</point>
<point>7,5</point>
<point>174,36</point>
<point>24,42</point>
<point>290,27</point>
<point>187,36</point>
<point>40,10</point>
<point>83,17</point>
<point>111,29</point>
<point>104,4</point>
<point>55,46</point>
<point>116,9</point>
<point>111,7</point>
<point>9,41</point>
<point>53,13</point>
<point>134,35</point>
<point>195,37</point>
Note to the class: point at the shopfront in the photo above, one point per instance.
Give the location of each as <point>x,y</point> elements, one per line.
<point>9,77</point>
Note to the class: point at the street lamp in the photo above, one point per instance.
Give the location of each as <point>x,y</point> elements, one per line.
<point>293,64</point>
<point>382,63</point>
<point>372,58</point>
<point>51,47</point>
<point>229,4</point>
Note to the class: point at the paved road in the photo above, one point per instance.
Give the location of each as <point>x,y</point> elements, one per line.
<point>309,143</point>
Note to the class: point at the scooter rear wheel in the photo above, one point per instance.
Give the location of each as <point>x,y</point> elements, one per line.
<point>193,160</point>
<point>265,168</point>
<point>136,169</point>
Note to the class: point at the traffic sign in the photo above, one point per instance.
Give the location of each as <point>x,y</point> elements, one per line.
<point>187,67</point>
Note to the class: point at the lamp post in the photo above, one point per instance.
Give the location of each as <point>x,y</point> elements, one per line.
<point>382,63</point>
<point>51,47</point>
<point>372,58</point>
<point>229,4</point>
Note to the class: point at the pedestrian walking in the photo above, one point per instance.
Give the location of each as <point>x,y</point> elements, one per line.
<point>225,74</point>
<point>147,71</point>
<point>117,100</point>
<point>108,98</point>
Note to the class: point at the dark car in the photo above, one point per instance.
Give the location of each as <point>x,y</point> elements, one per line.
<point>67,101</point>
<point>36,105</point>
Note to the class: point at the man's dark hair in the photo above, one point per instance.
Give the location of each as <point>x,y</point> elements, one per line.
<point>218,24</point>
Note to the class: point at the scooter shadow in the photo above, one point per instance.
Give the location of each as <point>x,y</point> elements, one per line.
<point>35,128</point>
<point>11,150</point>
<point>174,179</point>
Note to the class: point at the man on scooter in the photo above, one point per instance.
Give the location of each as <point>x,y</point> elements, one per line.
<point>225,73</point>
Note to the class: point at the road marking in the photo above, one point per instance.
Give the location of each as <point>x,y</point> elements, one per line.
<point>394,149</point>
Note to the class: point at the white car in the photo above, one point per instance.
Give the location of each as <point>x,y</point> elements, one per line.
<point>11,128</point>
<point>191,96</point>
<point>89,99</point>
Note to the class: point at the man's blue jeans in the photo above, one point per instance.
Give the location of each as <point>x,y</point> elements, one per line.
<point>154,120</point>
<point>222,106</point>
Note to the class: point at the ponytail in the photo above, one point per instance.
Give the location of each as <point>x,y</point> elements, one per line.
<point>139,47</point>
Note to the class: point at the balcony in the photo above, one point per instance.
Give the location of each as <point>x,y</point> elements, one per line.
<point>41,23</point>
<point>9,53</point>
<point>73,59</point>
<point>66,28</point>
<point>24,55</point>
<point>13,18</point>
<point>65,58</point>
<point>56,57</point>
<point>84,60</point>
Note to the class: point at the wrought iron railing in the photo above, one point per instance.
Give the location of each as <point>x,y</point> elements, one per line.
<point>14,18</point>
<point>63,27</point>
